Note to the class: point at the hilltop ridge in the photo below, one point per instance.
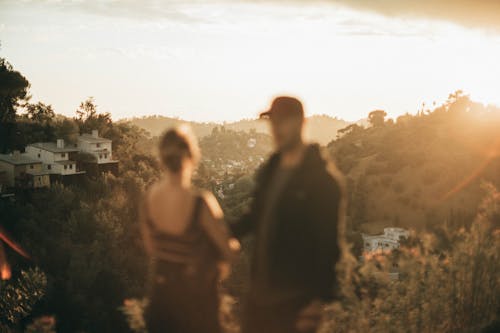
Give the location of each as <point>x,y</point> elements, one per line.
<point>320,128</point>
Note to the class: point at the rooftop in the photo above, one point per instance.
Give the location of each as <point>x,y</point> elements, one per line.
<point>19,159</point>
<point>52,147</point>
<point>92,139</point>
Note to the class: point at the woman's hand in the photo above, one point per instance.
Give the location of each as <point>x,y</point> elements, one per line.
<point>234,248</point>
<point>224,269</point>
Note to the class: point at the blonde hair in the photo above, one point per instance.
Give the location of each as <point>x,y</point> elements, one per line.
<point>175,145</point>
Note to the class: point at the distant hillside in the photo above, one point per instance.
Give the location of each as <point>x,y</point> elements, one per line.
<point>320,128</point>
<point>421,171</point>
<point>156,125</point>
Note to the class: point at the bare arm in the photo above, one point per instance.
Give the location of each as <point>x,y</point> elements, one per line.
<point>212,221</point>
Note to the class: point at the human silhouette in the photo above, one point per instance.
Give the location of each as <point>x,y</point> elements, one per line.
<point>295,213</point>
<point>185,236</point>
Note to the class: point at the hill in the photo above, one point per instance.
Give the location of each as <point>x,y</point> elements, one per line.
<point>320,128</point>
<point>421,170</point>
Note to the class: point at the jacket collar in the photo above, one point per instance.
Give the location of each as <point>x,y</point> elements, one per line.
<point>312,159</point>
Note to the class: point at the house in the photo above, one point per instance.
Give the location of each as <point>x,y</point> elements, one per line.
<point>22,171</point>
<point>396,233</point>
<point>57,160</point>
<point>101,149</point>
<point>4,191</point>
<point>3,180</point>
<point>387,241</point>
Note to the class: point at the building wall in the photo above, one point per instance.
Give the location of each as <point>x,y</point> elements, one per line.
<point>93,148</point>
<point>396,233</point>
<point>382,243</point>
<point>67,169</point>
<point>40,181</point>
<point>9,173</point>
<point>46,156</point>
<point>20,170</point>
<point>49,160</point>
<point>107,156</point>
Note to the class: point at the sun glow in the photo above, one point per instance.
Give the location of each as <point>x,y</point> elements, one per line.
<point>225,62</point>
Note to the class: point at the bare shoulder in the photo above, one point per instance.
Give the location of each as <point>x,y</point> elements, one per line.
<point>212,204</point>
<point>152,192</point>
<point>159,189</point>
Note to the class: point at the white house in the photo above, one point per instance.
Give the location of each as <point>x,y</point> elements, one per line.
<point>396,233</point>
<point>20,169</point>
<point>97,146</point>
<point>389,240</point>
<point>101,149</point>
<point>55,157</point>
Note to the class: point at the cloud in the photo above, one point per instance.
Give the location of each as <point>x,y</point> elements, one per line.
<point>468,13</point>
<point>132,9</point>
<point>483,14</point>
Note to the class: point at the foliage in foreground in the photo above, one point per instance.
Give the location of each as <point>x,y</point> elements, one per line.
<point>448,282</point>
<point>18,297</point>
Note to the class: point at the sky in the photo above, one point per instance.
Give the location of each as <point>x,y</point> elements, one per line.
<point>225,60</point>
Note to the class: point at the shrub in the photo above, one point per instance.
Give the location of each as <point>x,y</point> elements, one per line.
<point>18,297</point>
<point>452,288</point>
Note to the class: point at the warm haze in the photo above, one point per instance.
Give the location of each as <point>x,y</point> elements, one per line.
<point>379,211</point>
<point>223,61</point>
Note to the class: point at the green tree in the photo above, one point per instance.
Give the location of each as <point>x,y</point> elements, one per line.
<point>377,118</point>
<point>13,92</point>
<point>351,129</point>
<point>17,297</point>
<point>40,112</point>
<point>66,128</point>
<point>89,119</point>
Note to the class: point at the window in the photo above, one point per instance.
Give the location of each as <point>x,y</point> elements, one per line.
<point>71,166</point>
<point>98,145</point>
<point>38,155</point>
<point>31,166</point>
<point>105,155</point>
<point>49,166</point>
<point>63,155</point>
<point>100,156</point>
<point>65,167</point>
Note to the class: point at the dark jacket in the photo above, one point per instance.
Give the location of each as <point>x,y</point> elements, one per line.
<point>304,248</point>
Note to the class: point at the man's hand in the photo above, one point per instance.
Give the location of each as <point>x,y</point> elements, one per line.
<point>224,270</point>
<point>309,318</point>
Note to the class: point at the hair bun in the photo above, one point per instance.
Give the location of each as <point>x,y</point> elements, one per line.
<point>177,144</point>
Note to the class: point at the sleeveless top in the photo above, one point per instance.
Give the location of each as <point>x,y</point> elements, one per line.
<point>192,247</point>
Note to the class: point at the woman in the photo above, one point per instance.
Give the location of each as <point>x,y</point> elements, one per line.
<point>185,236</point>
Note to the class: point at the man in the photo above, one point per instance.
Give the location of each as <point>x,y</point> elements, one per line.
<point>295,213</point>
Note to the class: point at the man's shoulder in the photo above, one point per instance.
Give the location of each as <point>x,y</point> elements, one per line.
<point>266,168</point>
<point>323,168</point>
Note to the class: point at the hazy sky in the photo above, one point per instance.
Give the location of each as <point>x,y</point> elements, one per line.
<point>225,60</point>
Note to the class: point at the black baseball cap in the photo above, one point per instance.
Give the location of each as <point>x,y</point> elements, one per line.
<point>284,106</point>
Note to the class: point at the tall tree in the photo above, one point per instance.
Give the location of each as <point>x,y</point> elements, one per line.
<point>13,91</point>
<point>377,118</point>
<point>40,112</point>
<point>89,119</point>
